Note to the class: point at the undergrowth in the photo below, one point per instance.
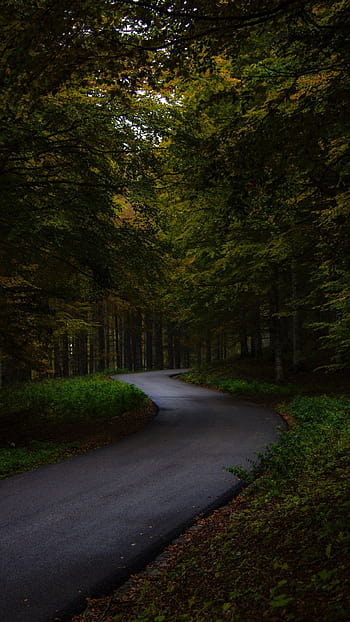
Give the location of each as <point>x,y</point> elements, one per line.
<point>34,415</point>
<point>238,386</point>
<point>37,453</point>
<point>70,400</point>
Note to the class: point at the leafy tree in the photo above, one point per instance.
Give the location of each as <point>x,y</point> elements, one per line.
<point>74,140</point>
<point>260,136</point>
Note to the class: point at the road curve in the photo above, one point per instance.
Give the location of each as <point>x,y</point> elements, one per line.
<point>80,527</point>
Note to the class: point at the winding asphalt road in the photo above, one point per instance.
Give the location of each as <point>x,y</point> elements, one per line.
<point>80,527</point>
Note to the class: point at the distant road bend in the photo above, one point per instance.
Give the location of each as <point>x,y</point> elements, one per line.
<point>79,527</point>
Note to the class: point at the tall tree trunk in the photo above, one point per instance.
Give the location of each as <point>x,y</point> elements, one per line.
<point>149,348</point>
<point>117,357</point>
<point>296,322</point>
<point>158,342</point>
<point>243,339</point>
<point>107,336</point>
<point>199,354</point>
<point>137,341</point>
<point>65,355</point>
<point>170,345</point>
<point>83,353</point>
<point>218,348</point>
<point>256,336</point>
<point>91,350</point>
<point>127,359</point>
<point>177,349</point>
<point>277,336</point>
<point>101,338</point>
<point>208,349</point>
<point>57,359</point>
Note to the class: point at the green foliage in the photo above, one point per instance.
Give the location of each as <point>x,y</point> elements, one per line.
<point>18,459</point>
<point>260,145</point>
<point>321,437</point>
<point>239,386</point>
<point>74,187</point>
<point>76,399</point>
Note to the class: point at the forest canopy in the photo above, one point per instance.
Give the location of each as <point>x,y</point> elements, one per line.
<point>174,183</point>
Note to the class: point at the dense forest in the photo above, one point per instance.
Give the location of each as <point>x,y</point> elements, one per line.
<point>174,184</point>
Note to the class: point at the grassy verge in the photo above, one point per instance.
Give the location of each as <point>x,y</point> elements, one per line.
<point>50,420</point>
<point>240,386</point>
<point>280,552</point>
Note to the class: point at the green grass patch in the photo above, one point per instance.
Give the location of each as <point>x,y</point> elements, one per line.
<point>238,386</point>
<point>37,453</point>
<point>71,400</point>
<point>41,422</point>
<point>320,438</point>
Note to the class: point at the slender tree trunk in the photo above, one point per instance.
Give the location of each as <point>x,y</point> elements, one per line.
<point>218,348</point>
<point>243,339</point>
<point>296,323</point>
<point>149,348</point>
<point>208,349</point>
<point>256,336</point>
<point>170,345</point>
<point>107,337</point>
<point>65,355</point>
<point>101,338</point>
<point>91,350</point>
<point>277,336</point>
<point>158,341</point>
<point>199,354</point>
<point>127,360</point>
<point>137,341</point>
<point>117,359</point>
<point>57,359</point>
<point>83,353</point>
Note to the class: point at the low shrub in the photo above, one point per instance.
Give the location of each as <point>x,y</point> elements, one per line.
<point>238,386</point>
<point>319,441</point>
<point>71,400</point>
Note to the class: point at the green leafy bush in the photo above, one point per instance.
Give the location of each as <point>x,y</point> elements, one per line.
<point>18,459</point>
<point>320,439</point>
<point>238,386</point>
<point>71,400</point>
<point>39,410</point>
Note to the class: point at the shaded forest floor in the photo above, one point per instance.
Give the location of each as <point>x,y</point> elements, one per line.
<point>281,550</point>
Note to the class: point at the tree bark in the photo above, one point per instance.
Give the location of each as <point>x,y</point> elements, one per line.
<point>127,359</point>
<point>137,341</point>
<point>277,336</point>
<point>158,342</point>
<point>65,355</point>
<point>208,349</point>
<point>256,336</point>
<point>296,322</point>
<point>170,345</point>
